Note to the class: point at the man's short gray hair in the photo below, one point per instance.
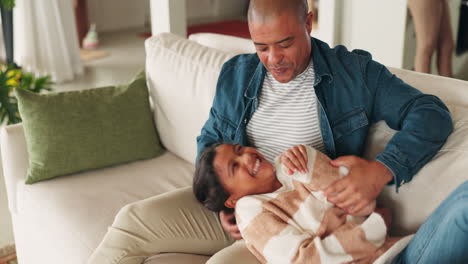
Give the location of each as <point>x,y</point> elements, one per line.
<point>263,10</point>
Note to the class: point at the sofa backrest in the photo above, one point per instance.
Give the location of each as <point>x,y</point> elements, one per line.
<point>225,43</point>
<point>182,78</point>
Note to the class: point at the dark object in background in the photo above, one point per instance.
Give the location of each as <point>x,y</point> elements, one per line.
<point>81,17</point>
<point>462,39</point>
<point>7,26</point>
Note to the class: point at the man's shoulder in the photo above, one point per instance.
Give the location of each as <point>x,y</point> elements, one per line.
<point>341,53</point>
<point>242,60</point>
<point>236,74</point>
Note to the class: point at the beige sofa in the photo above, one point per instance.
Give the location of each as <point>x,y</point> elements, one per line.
<point>63,220</point>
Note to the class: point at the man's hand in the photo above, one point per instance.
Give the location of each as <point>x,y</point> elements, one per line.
<point>228,222</point>
<point>295,159</point>
<point>361,186</point>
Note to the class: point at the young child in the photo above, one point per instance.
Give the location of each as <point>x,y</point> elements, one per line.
<point>285,218</point>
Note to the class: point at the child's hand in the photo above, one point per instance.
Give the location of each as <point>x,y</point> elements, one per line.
<point>295,159</point>
<point>228,222</point>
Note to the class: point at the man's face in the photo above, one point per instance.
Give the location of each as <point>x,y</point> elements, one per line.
<point>283,45</point>
<point>243,171</point>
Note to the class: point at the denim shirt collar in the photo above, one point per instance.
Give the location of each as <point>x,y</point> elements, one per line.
<point>320,66</point>
<point>321,69</point>
<point>256,82</point>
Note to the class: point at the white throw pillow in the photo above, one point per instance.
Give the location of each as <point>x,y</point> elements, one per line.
<point>182,77</point>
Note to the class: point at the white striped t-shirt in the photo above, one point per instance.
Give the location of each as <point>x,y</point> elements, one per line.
<point>286,115</point>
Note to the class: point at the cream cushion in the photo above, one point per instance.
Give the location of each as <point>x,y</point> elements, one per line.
<point>182,77</point>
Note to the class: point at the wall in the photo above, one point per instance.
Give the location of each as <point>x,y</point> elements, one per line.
<point>376,26</point>
<point>200,11</point>
<point>113,15</point>
<point>385,29</point>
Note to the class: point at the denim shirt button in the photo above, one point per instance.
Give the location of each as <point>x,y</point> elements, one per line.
<point>245,121</point>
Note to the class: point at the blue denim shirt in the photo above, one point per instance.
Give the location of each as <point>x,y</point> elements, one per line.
<point>354,92</point>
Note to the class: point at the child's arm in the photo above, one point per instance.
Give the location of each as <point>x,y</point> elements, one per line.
<point>274,240</point>
<point>294,159</point>
<point>320,174</point>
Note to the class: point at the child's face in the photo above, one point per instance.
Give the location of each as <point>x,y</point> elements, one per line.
<point>243,171</point>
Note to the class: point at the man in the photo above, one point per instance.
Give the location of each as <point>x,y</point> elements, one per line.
<point>297,90</point>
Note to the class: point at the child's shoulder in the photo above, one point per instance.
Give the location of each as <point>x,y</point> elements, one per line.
<point>247,208</point>
<point>254,202</point>
<point>247,202</point>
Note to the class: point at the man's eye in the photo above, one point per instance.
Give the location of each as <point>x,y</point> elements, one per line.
<point>285,46</point>
<point>235,165</point>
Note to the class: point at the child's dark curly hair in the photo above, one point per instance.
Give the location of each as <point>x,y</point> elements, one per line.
<point>206,186</point>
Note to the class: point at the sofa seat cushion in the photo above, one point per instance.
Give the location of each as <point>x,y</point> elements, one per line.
<point>68,216</point>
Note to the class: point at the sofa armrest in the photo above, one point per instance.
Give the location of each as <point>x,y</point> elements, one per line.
<point>15,160</point>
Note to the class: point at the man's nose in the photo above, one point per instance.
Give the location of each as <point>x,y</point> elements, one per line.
<point>275,56</point>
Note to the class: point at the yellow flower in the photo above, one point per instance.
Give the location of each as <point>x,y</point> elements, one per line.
<point>12,82</point>
<point>16,74</point>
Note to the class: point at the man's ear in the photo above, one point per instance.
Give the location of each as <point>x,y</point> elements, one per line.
<point>309,21</point>
<point>231,202</point>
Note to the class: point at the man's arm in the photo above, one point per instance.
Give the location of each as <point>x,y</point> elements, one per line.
<point>210,132</point>
<point>229,101</point>
<point>423,123</point>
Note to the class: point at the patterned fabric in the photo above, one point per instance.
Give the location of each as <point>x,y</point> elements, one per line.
<point>296,224</point>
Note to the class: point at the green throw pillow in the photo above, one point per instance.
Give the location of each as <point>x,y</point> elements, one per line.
<point>68,132</point>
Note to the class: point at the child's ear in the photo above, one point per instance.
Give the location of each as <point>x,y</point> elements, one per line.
<point>230,202</point>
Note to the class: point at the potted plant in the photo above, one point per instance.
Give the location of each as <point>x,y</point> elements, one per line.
<point>12,78</point>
